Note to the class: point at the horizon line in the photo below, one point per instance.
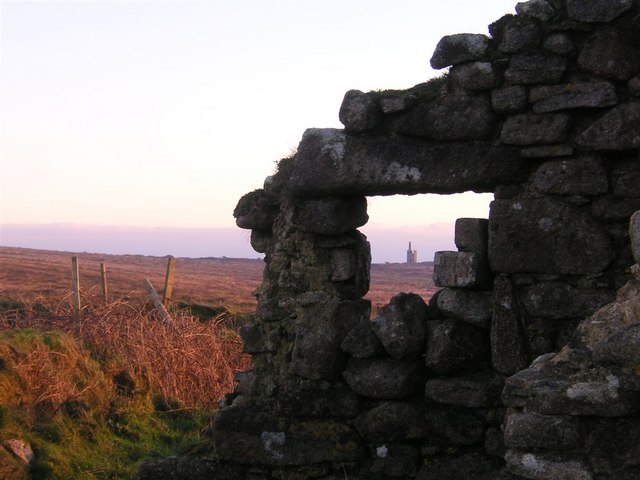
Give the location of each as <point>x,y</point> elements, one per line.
<point>223,257</point>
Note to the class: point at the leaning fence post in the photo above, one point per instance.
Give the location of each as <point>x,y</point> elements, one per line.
<point>75,280</point>
<point>103,275</point>
<point>168,281</point>
<point>155,299</point>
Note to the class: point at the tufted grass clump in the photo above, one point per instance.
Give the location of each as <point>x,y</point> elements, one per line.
<point>424,92</point>
<point>94,399</point>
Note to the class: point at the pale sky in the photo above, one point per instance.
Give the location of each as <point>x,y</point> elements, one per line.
<point>163,113</point>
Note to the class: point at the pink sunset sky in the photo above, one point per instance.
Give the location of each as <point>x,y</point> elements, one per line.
<point>135,126</point>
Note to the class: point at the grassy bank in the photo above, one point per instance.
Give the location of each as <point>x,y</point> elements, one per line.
<point>94,398</point>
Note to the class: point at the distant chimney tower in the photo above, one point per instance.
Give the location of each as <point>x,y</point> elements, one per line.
<point>412,255</point>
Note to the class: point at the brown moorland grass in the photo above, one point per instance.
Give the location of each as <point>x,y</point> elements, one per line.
<point>191,362</point>
<point>187,362</point>
<point>27,274</point>
<point>121,352</point>
<point>95,398</point>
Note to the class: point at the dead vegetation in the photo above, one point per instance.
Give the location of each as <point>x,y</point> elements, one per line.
<point>95,397</point>
<point>203,284</point>
<point>190,362</point>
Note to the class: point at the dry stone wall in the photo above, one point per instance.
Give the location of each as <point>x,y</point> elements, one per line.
<point>545,113</point>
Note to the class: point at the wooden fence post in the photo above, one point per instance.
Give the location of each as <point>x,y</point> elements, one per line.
<point>155,299</point>
<point>75,279</point>
<point>168,281</point>
<point>103,275</point>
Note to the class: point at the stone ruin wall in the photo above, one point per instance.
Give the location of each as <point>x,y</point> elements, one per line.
<point>544,113</point>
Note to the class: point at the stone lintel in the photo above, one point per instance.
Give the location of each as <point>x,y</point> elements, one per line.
<point>331,162</point>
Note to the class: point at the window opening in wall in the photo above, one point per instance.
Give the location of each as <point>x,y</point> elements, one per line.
<point>413,227</point>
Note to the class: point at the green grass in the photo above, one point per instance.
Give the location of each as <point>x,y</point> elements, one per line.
<point>60,399</point>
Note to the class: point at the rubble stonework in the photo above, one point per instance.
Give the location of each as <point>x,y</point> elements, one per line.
<point>499,375</point>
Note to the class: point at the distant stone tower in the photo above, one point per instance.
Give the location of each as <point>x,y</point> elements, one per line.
<point>412,255</point>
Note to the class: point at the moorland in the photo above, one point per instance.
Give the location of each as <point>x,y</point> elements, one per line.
<point>26,274</point>
<point>90,398</point>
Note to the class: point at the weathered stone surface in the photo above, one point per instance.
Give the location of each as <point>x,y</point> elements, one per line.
<point>253,339</point>
<point>540,9</point>
<point>573,95</point>
<point>318,400</point>
<point>621,348</point>
<point>521,33</point>
<point>248,436</point>
<point>383,378</point>
<point>547,151</point>
<point>558,244</point>
<point>556,300</point>
<point>619,129</point>
<point>401,326</point>
<point>260,240</point>
<point>466,305</point>
<point>474,76</point>
<point>577,176</point>
<point>634,85</point>
<point>634,234</point>
<point>545,236</point>
<point>553,387</point>
<point>509,350</point>
<point>316,349</point>
<point>331,216</point>
<point>627,474</point>
<point>460,269</point>
<point>597,10</point>
<point>344,264</point>
<point>612,209</point>
<point>454,346</point>
<point>270,311</point>
<point>613,446</point>
<point>625,178</point>
<point>559,43</point>
<point>480,390</point>
<point>570,383</point>
<point>541,334</point>
<point>535,68</point>
<point>530,431</point>
<point>395,461</point>
<point>612,53</point>
<point>494,443</point>
<point>19,449</point>
<point>355,286</point>
<point>531,129</point>
<point>401,421</point>
<point>245,383</point>
<point>256,210</point>
<point>391,422</point>
<point>359,112</point>
<point>472,235</point>
<point>547,467</point>
<point>361,342</point>
<point>612,317</point>
<point>329,162</point>
<point>474,466</point>
<point>449,426</point>
<point>511,99</point>
<point>448,117</point>
<point>459,48</point>
<point>189,468</point>
<point>397,103</point>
